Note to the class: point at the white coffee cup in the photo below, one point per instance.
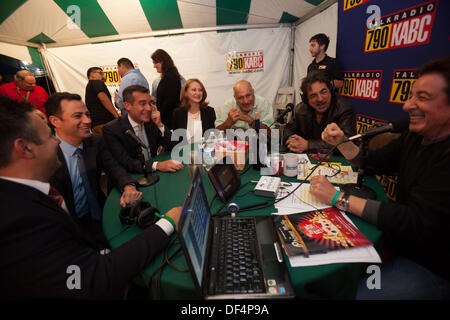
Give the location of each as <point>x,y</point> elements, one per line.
<point>290,165</point>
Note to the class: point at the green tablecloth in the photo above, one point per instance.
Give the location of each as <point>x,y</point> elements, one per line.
<point>338,280</point>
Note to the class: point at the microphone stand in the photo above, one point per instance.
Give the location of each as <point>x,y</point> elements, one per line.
<point>357,189</point>
<point>148,178</point>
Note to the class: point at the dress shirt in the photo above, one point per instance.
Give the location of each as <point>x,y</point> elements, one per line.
<point>261,105</point>
<point>79,194</point>
<point>136,127</point>
<point>132,77</point>
<point>43,187</point>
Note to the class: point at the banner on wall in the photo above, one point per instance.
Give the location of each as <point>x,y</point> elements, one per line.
<point>261,57</point>
<point>245,61</point>
<point>391,39</point>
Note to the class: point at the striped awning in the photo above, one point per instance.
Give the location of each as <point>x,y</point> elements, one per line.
<point>25,25</point>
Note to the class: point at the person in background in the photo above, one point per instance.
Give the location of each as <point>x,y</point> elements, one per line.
<point>129,76</point>
<point>24,88</point>
<point>194,114</point>
<point>318,45</point>
<point>415,226</point>
<point>98,99</point>
<point>168,90</point>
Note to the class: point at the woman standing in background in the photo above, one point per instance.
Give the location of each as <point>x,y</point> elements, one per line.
<point>168,91</point>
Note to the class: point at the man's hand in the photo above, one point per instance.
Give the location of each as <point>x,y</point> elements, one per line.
<point>322,189</point>
<point>175,213</point>
<point>156,117</point>
<point>333,134</point>
<point>297,144</point>
<point>233,115</point>
<point>245,117</point>
<point>169,166</point>
<point>130,195</point>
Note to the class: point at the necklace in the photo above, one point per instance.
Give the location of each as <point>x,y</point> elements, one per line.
<point>195,116</point>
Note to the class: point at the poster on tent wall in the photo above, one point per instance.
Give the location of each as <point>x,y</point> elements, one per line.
<point>218,60</point>
<point>380,45</point>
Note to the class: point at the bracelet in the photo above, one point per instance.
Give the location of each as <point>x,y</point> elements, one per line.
<point>336,195</point>
<point>168,219</point>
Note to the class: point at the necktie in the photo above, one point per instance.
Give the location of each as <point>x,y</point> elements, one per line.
<point>94,207</point>
<point>58,198</point>
<point>141,132</point>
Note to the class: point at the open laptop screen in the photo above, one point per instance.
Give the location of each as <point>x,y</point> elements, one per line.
<point>195,226</point>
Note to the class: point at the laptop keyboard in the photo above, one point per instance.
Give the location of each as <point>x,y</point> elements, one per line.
<point>239,269</point>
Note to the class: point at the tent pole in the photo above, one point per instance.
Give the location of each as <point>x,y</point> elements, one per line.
<point>291,56</point>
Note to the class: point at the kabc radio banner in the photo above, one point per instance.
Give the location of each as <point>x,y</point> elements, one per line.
<point>408,27</point>
<point>245,61</point>
<point>362,84</point>
<point>380,46</point>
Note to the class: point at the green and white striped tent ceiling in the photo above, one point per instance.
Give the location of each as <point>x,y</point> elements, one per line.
<point>25,25</point>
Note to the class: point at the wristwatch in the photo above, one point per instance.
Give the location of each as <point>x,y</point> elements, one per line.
<point>342,202</point>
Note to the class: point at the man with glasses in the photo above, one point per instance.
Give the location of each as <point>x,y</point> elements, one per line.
<point>24,88</point>
<point>239,112</point>
<point>144,121</point>
<point>98,99</point>
<point>319,107</point>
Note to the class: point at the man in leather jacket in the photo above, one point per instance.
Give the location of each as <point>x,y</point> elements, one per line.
<point>321,105</point>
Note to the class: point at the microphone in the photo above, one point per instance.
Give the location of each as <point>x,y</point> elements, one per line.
<point>148,178</point>
<point>395,126</point>
<point>289,108</point>
<point>135,138</point>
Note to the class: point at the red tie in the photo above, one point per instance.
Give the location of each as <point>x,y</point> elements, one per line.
<point>58,198</point>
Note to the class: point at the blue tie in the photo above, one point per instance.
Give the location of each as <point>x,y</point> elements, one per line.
<point>94,207</point>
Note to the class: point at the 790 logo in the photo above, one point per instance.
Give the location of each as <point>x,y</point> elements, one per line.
<point>409,27</point>
<point>350,4</point>
<point>362,84</point>
<point>402,82</point>
<point>245,61</point>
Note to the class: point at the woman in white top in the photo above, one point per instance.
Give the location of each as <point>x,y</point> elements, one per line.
<point>194,114</point>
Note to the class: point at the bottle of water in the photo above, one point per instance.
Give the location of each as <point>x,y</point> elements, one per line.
<point>209,156</point>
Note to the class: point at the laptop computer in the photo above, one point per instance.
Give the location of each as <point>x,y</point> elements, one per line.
<point>231,258</point>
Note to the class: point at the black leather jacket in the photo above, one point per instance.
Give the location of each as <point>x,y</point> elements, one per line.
<point>341,112</point>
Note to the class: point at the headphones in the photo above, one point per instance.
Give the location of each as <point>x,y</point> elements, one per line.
<point>140,213</point>
<point>330,86</point>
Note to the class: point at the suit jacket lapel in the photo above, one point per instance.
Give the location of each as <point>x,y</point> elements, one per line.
<point>133,146</point>
<point>62,182</point>
<point>90,162</point>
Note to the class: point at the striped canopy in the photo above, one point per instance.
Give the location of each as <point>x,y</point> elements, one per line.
<point>26,25</point>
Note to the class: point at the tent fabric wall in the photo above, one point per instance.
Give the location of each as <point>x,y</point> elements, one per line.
<point>197,55</point>
<point>324,22</point>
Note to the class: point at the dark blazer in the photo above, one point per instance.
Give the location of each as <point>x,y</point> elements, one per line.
<point>168,97</point>
<point>127,151</point>
<point>96,158</point>
<point>180,118</point>
<point>39,242</point>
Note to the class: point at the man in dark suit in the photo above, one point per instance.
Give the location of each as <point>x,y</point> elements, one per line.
<point>43,253</point>
<point>144,121</point>
<point>84,199</point>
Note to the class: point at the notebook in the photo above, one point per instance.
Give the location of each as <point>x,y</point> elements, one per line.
<point>231,258</point>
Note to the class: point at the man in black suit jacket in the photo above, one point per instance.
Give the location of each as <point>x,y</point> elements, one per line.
<point>72,123</point>
<point>43,253</point>
<point>124,148</point>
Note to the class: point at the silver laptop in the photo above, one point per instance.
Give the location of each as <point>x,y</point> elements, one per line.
<point>231,258</point>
